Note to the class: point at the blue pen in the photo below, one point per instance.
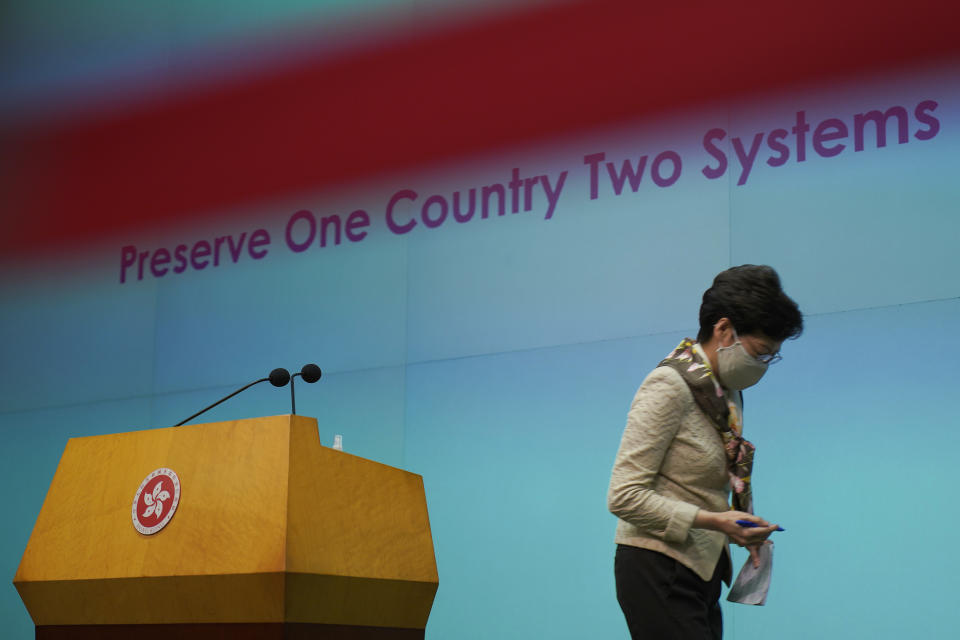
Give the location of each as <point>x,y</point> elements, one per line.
<point>750,525</point>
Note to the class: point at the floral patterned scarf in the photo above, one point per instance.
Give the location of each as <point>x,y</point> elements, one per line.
<point>723,413</point>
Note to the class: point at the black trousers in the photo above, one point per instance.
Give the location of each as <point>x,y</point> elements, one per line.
<point>664,600</point>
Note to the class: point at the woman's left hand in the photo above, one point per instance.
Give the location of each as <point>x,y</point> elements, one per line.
<point>754,550</point>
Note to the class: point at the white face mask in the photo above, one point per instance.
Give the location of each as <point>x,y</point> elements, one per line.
<point>736,368</point>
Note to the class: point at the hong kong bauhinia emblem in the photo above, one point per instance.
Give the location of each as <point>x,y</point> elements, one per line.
<point>156,501</point>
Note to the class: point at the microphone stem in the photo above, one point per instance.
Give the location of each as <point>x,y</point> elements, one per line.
<point>221,400</point>
<point>293,400</point>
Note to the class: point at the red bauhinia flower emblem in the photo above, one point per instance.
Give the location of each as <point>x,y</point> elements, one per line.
<point>156,501</point>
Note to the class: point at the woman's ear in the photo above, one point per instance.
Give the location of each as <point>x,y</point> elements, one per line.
<point>721,330</point>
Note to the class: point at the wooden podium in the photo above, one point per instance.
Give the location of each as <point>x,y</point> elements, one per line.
<point>274,536</point>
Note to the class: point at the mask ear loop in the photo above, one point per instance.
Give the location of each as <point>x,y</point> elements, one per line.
<point>736,338</point>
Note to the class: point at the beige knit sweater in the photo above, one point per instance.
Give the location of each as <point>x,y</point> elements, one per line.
<point>670,464</point>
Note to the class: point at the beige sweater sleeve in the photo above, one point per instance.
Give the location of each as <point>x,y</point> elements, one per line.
<point>654,419</point>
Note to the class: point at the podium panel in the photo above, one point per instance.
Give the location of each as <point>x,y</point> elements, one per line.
<point>271,529</point>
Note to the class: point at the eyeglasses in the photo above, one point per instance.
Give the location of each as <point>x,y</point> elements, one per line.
<point>765,358</point>
<point>769,358</point>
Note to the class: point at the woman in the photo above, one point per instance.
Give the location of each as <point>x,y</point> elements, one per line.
<point>682,455</point>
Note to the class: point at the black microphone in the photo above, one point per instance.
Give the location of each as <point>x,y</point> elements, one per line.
<point>310,374</point>
<point>278,378</point>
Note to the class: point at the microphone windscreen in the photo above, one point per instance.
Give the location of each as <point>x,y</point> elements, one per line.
<point>279,377</point>
<point>310,373</point>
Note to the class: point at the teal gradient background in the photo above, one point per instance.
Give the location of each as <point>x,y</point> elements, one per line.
<point>498,358</point>
<point>103,52</point>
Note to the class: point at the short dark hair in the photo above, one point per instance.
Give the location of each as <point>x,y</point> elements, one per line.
<point>751,297</point>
